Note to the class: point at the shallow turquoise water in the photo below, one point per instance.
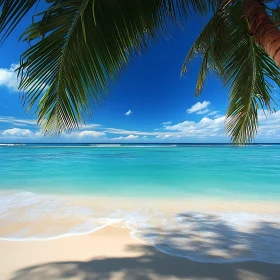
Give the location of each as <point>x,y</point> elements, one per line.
<point>32,175</point>
<point>137,170</point>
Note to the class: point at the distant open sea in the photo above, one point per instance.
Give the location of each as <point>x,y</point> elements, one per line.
<point>34,177</point>
<point>143,170</point>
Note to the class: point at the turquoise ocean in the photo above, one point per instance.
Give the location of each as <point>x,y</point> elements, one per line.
<point>36,178</point>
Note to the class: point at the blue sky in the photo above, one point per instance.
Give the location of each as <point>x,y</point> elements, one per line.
<point>149,103</point>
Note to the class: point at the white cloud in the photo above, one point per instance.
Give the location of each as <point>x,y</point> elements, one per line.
<point>166,123</point>
<point>132,137</point>
<point>128,132</point>
<point>89,133</point>
<point>203,128</point>
<point>129,137</point>
<point>91,125</point>
<point>18,132</point>
<point>207,129</point>
<point>201,112</point>
<point>18,122</point>
<point>30,122</point>
<point>164,136</point>
<point>129,112</point>
<point>212,113</point>
<point>8,78</point>
<point>269,125</point>
<point>198,107</point>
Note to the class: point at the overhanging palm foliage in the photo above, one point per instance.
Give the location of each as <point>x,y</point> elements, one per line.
<point>229,50</point>
<point>12,13</point>
<point>84,46</point>
<point>81,46</point>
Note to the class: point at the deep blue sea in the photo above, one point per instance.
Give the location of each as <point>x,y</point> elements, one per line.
<point>35,180</point>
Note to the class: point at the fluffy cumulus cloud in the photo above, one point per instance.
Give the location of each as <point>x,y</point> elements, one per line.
<point>27,134</point>
<point>204,128</point>
<point>89,133</point>
<point>18,132</point>
<point>8,78</point>
<point>129,112</point>
<point>209,128</point>
<point>199,107</point>
<point>269,125</point>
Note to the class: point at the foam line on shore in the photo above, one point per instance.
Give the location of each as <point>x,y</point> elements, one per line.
<point>209,236</point>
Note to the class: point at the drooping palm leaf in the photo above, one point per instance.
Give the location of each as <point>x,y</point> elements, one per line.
<point>228,49</point>
<point>85,45</point>
<point>12,13</point>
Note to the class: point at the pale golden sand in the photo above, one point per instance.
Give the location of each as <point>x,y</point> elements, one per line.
<point>111,253</point>
<point>173,205</point>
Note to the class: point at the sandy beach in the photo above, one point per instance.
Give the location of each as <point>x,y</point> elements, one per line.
<point>111,253</point>
<point>187,244</point>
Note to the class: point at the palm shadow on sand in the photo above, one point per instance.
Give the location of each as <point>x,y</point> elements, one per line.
<point>152,264</point>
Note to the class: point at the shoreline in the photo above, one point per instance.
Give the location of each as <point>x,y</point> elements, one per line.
<point>111,253</point>
<point>190,203</point>
<point>204,230</point>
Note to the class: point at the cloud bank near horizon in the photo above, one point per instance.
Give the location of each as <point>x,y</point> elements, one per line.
<point>209,128</point>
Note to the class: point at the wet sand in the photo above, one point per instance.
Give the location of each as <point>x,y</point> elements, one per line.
<point>111,253</point>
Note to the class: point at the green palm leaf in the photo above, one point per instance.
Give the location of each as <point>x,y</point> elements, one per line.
<point>228,49</point>
<point>85,46</point>
<point>80,47</point>
<point>12,13</point>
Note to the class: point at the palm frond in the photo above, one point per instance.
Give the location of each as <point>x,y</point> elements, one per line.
<point>84,46</point>
<point>11,13</point>
<point>228,49</point>
<point>213,31</point>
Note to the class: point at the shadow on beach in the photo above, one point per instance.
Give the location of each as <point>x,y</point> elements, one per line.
<point>152,264</point>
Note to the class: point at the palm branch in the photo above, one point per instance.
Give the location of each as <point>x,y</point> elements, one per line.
<point>12,12</point>
<point>229,51</point>
<point>81,47</point>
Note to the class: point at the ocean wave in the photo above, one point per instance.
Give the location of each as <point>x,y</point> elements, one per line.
<point>131,146</point>
<point>105,145</point>
<point>10,145</point>
<point>200,236</point>
<point>267,145</point>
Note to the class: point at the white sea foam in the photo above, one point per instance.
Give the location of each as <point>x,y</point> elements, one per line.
<point>105,145</point>
<point>10,145</point>
<point>200,236</point>
<point>268,145</point>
